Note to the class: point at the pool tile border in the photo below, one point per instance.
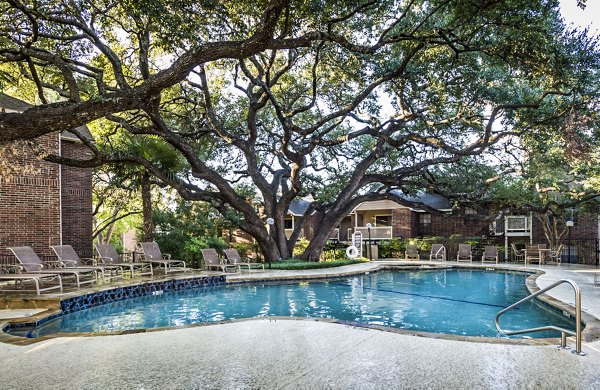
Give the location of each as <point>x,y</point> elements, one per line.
<point>116,294</point>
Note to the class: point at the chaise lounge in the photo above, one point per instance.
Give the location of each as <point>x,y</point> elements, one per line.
<point>233,257</point>
<point>20,279</point>
<point>212,260</point>
<point>107,254</point>
<point>70,259</point>
<point>31,263</point>
<point>151,254</point>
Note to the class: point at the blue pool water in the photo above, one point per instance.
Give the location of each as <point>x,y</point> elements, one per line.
<point>462,302</point>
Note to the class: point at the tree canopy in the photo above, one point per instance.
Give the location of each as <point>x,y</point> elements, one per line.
<point>267,103</point>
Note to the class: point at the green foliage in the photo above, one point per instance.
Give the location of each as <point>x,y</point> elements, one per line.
<point>392,249</point>
<point>192,248</point>
<point>187,227</point>
<point>294,264</point>
<point>301,246</point>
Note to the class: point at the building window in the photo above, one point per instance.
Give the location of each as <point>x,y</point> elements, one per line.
<point>288,223</point>
<point>424,226</point>
<point>383,220</point>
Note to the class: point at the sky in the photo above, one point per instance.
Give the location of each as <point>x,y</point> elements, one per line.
<point>582,18</point>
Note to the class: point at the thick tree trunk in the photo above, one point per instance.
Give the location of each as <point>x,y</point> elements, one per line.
<point>146,188</point>
<point>320,237</point>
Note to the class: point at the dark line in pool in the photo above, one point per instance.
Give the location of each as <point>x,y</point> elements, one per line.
<point>424,296</point>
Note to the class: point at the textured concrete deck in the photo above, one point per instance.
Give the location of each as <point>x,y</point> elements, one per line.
<point>303,354</point>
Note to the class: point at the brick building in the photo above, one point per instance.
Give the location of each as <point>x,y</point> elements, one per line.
<point>46,204</point>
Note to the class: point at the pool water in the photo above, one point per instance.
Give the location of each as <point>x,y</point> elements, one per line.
<point>461,302</point>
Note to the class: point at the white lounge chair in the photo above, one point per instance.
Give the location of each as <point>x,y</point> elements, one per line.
<point>70,259</point>
<point>31,263</point>
<point>21,278</point>
<point>212,260</point>
<point>151,253</point>
<point>233,257</point>
<point>107,254</point>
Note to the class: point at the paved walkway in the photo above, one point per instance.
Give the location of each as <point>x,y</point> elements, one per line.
<point>302,354</point>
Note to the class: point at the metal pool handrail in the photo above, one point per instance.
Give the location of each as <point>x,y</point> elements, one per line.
<point>564,332</point>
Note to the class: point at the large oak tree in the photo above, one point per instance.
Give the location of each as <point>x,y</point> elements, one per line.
<point>345,102</point>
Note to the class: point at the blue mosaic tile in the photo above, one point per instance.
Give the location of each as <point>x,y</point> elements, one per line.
<point>121,293</point>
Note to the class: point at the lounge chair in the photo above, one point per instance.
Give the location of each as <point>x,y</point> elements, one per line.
<point>31,263</point>
<point>233,257</point>
<point>532,254</point>
<point>151,254</point>
<point>212,260</point>
<point>490,254</point>
<point>438,252</point>
<point>412,252</point>
<point>107,254</point>
<point>20,279</point>
<point>70,259</point>
<point>519,254</point>
<point>464,253</point>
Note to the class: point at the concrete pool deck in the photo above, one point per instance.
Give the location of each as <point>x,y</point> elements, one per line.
<point>306,354</point>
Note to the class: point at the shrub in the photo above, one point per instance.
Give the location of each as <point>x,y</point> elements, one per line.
<point>192,247</point>
<point>295,264</point>
<point>393,248</point>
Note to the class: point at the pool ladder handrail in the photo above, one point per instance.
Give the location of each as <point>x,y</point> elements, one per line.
<point>564,332</point>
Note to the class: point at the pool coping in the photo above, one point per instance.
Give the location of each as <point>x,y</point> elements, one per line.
<point>590,333</point>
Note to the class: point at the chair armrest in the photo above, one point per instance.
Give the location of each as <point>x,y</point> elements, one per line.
<point>166,256</point>
<point>103,260</point>
<point>33,266</point>
<point>88,261</point>
<point>67,263</point>
<point>12,267</point>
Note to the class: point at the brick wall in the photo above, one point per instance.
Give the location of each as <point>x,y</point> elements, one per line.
<point>404,223</point>
<point>457,223</point>
<point>29,204</point>
<point>77,200</point>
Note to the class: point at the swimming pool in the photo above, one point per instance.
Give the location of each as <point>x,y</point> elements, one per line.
<point>458,301</point>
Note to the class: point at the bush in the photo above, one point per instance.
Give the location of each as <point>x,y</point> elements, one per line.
<point>300,247</point>
<point>393,248</point>
<point>296,264</point>
<point>192,247</point>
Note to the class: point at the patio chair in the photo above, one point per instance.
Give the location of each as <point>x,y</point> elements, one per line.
<point>233,257</point>
<point>70,259</point>
<point>20,279</point>
<point>412,252</point>
<point>519,254</point>
<point>438,252</point>
<point>554,256</point>
<point>212,260</point>
<point>464,253</point>
<point>490,254</point>
<point>31,263</point>
<point>107,254</point>
<point>151,254</point>
<point>532,254</point>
